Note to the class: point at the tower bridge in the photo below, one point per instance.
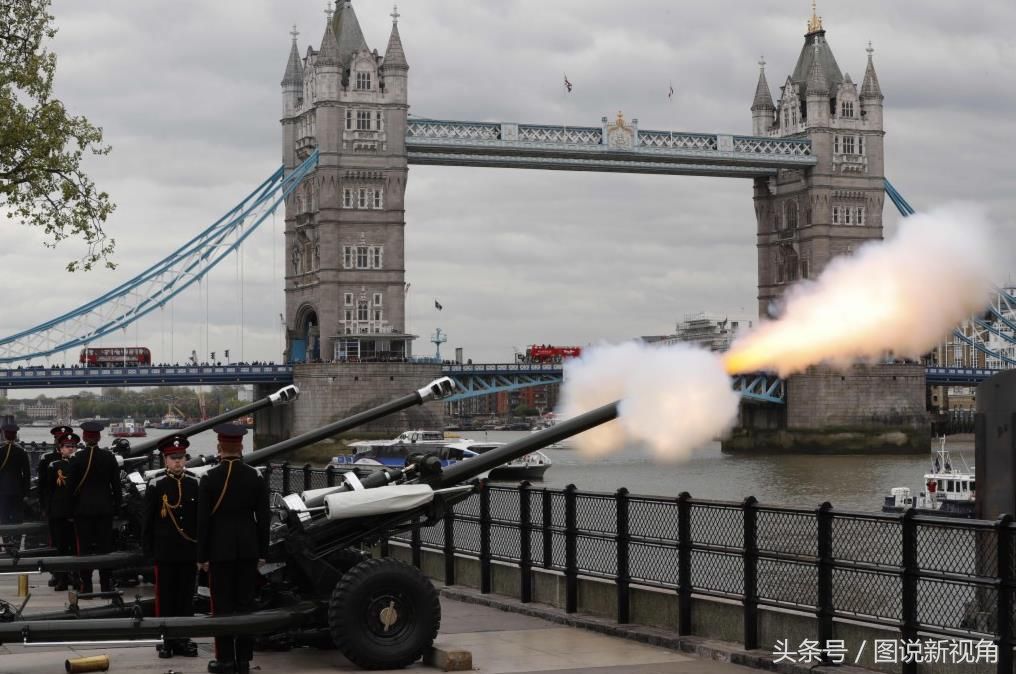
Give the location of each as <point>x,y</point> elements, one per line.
<point>815,157</point>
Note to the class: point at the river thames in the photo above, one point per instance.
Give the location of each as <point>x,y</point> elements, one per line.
<point>849,482</point>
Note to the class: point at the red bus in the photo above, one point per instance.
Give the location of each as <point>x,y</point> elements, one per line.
<point>546,353</point>
<point>116,356</point>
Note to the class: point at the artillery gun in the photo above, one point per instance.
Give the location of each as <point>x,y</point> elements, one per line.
<point>320,585</point>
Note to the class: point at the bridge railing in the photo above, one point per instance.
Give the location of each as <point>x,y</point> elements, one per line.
<point>908,574</point>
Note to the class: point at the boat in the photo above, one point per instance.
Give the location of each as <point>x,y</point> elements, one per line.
<point>369,456</point>
<point>948,492</point>
<point>127,429</point>
<point>549,420</point>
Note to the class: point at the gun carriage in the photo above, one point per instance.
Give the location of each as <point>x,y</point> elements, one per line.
<point>320,586</point>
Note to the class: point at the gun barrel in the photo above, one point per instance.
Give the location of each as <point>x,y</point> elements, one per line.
<point>112,560</point>
<point>439,388</point>
<point>284,395</point>
<point>99,630</point>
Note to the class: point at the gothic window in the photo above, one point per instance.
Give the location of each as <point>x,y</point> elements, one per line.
<point>860,145</point>
<point>375,257</point>
<point>836,215</point>
<point>377,299</point>
<point>804,267</point>
<point>790,215</point>
<point>347,197</point>
<point>859,215</point>
<point>347,298</point>
<point>362,81</point>
<point>376,198</point>
<point>348,261</point>
<point>361,257</point>
<point>379,121</point>
<point>786,116</point>
<point>793,116</point>
<point>848,145</point>
<point>361,198</point>
<point>348,314</point>
<point>363,120</point>
<point>349,119</point>
<point>836,144</point>
<point>377,315</point>
<point>846,216</point>
<point>361,311</point>
<point>847,109</point>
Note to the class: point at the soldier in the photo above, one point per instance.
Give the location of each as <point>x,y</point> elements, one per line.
<point>170,538</point>
<point>15,477</point>
<point>233,518</point>
<point>43,480</point>
<point>60,503</point>
<point>95,477</point>
<point>45,483</point>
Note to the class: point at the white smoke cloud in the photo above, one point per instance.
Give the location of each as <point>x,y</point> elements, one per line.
<point>903,295</point>
<point>673,398</point>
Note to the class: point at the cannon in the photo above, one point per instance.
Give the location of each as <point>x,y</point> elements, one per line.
<point>321,586</point>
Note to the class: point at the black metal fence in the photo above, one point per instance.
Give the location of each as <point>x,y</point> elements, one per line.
<point>911,573</point>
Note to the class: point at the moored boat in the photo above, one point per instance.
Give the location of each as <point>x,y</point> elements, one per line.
<point>127,429</point>
<point>948,491</point>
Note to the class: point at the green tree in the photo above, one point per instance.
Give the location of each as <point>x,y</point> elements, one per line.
<point>42,183</point>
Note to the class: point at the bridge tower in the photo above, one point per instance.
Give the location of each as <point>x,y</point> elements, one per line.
<point>807,217</point>
<point>345,270</point>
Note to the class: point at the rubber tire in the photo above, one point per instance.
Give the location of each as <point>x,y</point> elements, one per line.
<point>355,594</point>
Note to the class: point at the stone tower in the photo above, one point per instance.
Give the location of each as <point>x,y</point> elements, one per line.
<point>807,217</point>
<point>345,269</point>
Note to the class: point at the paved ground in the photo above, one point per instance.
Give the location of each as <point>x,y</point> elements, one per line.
<point>498,641</point>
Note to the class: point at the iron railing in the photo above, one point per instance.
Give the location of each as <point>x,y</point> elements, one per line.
<point>910,573</point>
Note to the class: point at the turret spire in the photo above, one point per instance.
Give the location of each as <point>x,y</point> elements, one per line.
<point>347,31</point>
<point>763,99</point>
<point>294,67</point>
<point>870,87</point>
<point>329,53</point>
<point>395,56</point>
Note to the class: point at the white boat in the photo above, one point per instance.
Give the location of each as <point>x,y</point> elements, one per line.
<point>948,491</point>
<point>127,429</point>
<point>370,455</point>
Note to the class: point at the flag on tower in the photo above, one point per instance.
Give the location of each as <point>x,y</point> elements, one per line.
<point>567,84</point>
<point>437,305</point>
<point>670,95</point>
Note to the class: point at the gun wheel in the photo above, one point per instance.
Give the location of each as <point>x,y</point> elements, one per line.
<point>384,614</point>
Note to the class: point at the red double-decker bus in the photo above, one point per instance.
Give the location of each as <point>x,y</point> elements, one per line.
<point>546,353</point>
<point>116,356</point>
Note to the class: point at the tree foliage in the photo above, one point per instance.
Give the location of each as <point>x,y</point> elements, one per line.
<point>42,183</point>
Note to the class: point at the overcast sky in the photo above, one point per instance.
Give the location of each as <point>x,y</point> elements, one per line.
<point>187,93</point>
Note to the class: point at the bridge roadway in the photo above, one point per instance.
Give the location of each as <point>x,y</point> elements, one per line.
<point>473,379</point>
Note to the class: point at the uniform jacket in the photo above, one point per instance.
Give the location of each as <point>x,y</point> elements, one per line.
<point>60,499</point>
<point>45,487</point>
<point>171,518</point>
<point>15,472</point>
<point>238,529</point>
<point>97,489</point>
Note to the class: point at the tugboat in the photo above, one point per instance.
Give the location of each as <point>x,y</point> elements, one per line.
<point>949,492</point>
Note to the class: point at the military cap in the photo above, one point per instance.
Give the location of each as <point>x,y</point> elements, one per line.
<point>90,431</point>
<point>10,430</point>
<point>174,444</point>
<point>230,434</point>
<point>57,431</point>
<point>71,439</point>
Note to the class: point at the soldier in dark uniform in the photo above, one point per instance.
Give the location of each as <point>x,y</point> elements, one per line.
<point>233,518</point>
<point>60,504</point>
<point>44,484</point>
<point>95,477</point>
<point>42,479</point>
<point>170,538</point>
<point>15,477</point>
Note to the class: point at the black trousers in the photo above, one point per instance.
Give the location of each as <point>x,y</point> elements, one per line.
<point>232,586</point>
<point>12,509</point>
<point>174,588</point>
<point>61,537</point>
<point>95,537</point>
